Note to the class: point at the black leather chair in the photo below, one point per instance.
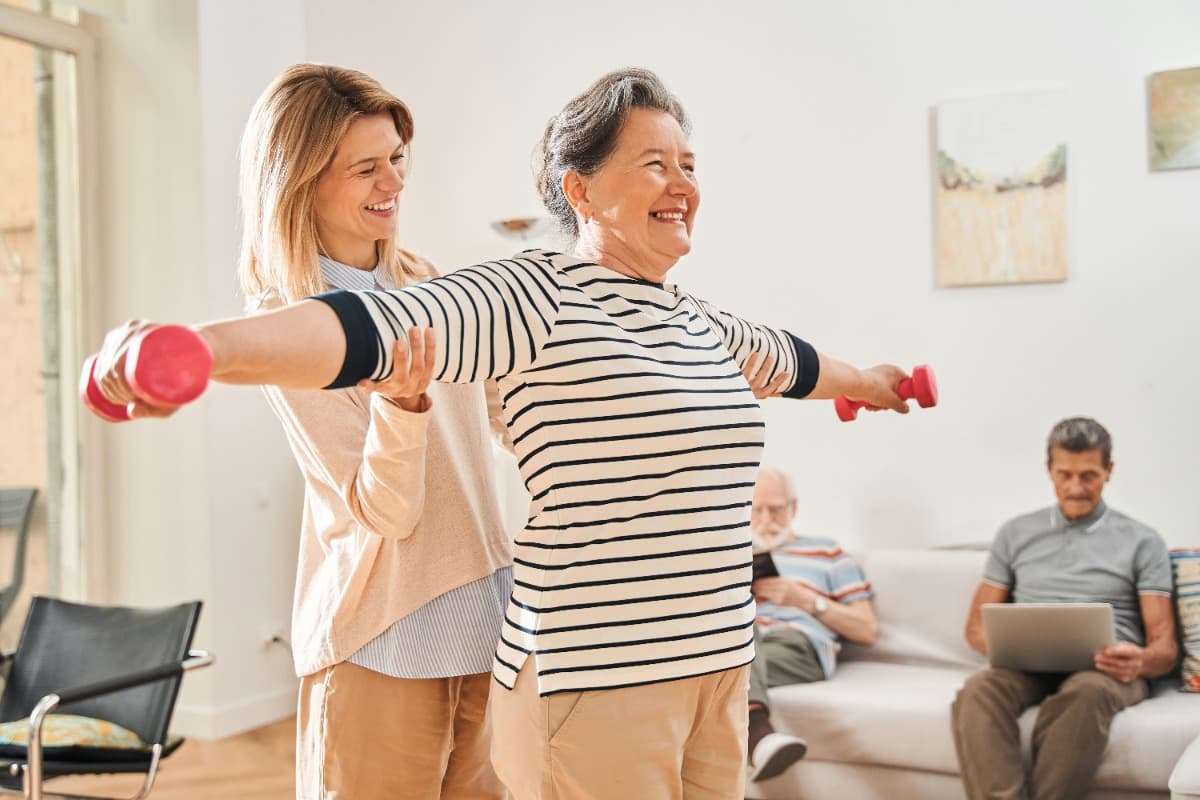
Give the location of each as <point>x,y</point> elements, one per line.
<point>123,665</point>
<point>16,509</point>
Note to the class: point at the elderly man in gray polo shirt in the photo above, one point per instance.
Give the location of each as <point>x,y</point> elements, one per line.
<point>1077,551</point>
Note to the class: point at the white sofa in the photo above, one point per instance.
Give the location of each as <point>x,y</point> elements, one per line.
<point>880,729</point>
<point>1185,780</point>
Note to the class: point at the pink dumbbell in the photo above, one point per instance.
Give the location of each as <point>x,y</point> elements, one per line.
<point>922,387</point>
<point>167,365</point>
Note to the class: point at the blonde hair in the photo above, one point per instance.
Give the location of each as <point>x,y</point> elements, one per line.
<point>290,139</point>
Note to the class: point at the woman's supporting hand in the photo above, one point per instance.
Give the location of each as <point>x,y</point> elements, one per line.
<point>412,371</point>
<point>756,375</point>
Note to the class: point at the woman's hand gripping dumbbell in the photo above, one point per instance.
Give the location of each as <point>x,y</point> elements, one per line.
<point>922,387</point>
<point>165,366</point>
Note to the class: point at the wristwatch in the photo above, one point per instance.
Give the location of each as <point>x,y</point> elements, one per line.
<point>820,606</point>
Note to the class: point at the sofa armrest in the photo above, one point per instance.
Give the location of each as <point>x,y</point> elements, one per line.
<point>1185,778</point>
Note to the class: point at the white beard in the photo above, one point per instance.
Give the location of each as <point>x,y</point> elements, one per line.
<point>770,536</point>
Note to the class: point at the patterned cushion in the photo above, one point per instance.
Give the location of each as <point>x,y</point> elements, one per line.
<point>1185,563</point>
<point>68,737</point>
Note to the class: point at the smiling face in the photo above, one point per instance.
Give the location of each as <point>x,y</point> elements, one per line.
<point>636,211</point>
<point>357,194</point>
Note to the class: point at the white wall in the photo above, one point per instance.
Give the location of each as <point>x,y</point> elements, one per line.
<point>153,546</point>
<point>813,131</point>
<point>206,505</point>
<point>255,489</point>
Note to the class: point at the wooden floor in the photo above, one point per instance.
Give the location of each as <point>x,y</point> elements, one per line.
<point>259,765</point>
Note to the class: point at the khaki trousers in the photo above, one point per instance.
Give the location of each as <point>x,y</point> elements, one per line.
<point>1068,739</point>
<point>678,740</point>
<point>361,735</point>
<point>782,656</point>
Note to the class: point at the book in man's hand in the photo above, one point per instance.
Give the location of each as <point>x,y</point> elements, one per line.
<point>764,566</point>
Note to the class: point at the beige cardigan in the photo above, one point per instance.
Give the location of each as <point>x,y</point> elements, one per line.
<point>369,554</point>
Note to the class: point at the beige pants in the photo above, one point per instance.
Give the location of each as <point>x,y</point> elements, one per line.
<point>361,735</point>
<point>666,741</point>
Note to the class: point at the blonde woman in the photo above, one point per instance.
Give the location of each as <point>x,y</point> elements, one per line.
<point>404,565</point>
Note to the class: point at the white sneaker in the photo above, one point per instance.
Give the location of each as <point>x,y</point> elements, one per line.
<point>774,753</point>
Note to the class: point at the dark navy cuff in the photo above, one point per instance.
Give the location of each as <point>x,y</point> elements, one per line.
<point>808,369</point>
<point>362,338</point>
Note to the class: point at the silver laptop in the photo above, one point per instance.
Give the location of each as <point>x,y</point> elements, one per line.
<point>1047,637</point>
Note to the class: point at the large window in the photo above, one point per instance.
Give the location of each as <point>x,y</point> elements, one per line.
<point>40,234</point>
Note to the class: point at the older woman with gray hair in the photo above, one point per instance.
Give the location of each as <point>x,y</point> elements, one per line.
<point>625,648</point>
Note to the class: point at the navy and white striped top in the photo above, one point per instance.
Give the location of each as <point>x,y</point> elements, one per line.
<point>638,440</point>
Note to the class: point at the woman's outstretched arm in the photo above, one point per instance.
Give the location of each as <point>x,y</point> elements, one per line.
<point>777,362</point>
<point>487,321</point>
<point>301,346</point>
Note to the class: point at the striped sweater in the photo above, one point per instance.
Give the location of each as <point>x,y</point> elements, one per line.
<point>821,565</point>
<point>638,440</point>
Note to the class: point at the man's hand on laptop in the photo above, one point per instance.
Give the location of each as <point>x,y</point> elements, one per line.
<point>1121,661</point>
<point>785,592</point>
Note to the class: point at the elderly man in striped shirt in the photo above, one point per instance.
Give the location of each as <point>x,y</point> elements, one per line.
<point>810,594</point>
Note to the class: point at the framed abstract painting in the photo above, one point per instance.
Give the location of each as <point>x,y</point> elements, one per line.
<point>1001,189</point>
<point>1174,104</point>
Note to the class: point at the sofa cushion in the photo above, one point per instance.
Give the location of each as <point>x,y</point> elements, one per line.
<point>871,713</point>
<point>921,598</point>
<point>1185,563</point>
<point>1185,780</point>
<point>899,715</point>
<point>69,737</point>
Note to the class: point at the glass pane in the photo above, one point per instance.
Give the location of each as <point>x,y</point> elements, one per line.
<point>23,442</point>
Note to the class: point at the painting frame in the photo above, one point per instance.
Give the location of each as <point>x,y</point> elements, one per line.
<point>1002,188</point>
<point>1173,119</point>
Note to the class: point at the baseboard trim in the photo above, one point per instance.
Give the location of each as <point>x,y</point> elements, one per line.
<point>208,722</point>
